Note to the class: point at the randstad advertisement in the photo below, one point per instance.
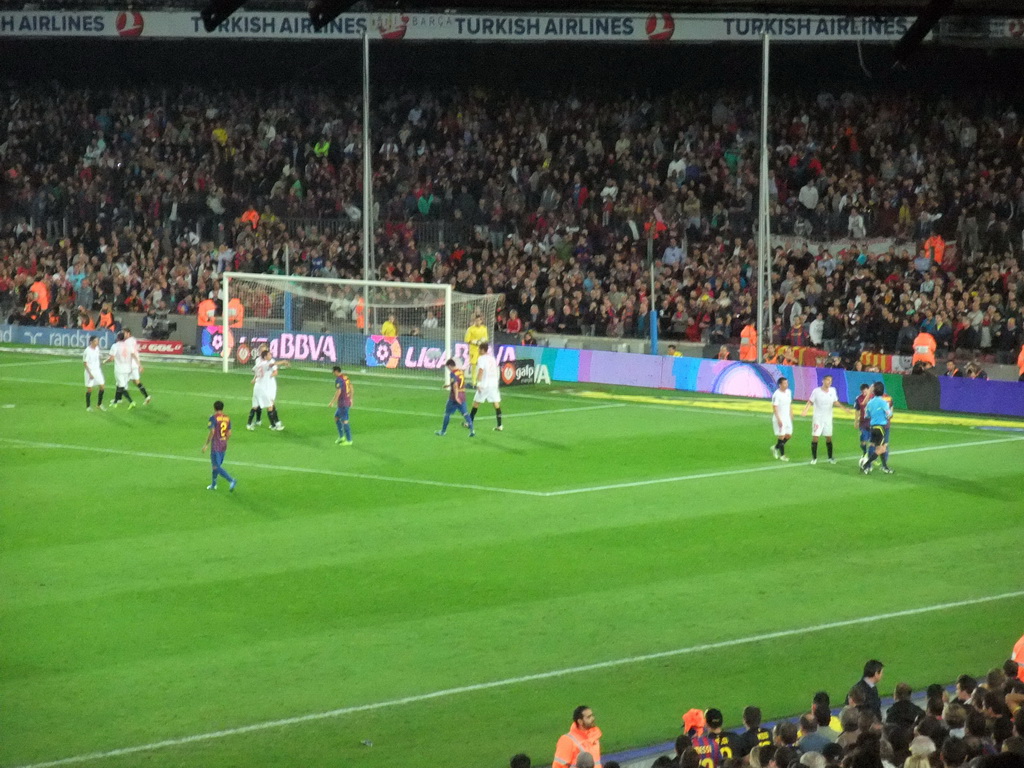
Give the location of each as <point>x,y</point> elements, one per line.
<point>52,337</point>
<point>413,352</point>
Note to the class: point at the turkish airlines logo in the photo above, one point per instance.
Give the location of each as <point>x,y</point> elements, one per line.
<point>129,24</point>
<point>660,27</point>
<point>392,29</point>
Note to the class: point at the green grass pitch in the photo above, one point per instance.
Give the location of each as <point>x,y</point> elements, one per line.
<point>138,608</point>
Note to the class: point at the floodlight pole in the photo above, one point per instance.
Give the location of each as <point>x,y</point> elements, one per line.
<point>764,264</point>
<point>367,185</point>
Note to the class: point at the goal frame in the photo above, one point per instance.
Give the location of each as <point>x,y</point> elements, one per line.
<point>226,278</point>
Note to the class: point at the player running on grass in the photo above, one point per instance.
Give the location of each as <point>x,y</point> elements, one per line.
<point>341,402</point>
<point>217,442</point>
<point>456,399</point>
<point>822,399</point>
<point>878,413</point>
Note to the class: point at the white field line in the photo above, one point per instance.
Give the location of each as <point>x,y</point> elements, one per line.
<point>510,681</point>
<point>258,465</point>
<point>518,395</point>
<point>357,408</point>
<point>34,362</point>
<point>769,467</point>
<point>491,489</point>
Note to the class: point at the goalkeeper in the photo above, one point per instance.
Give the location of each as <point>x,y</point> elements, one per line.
<point>476,335</point>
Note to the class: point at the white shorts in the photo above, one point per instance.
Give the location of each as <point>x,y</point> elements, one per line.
<point>487,395</point>
<point>121,378</point>
<point>785,429</point>
<point>94,381</point>
<point>135,375</point>
<point>263,396</point>
<point>821,428</point>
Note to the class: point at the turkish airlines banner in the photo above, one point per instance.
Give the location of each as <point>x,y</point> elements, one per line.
<point>154,347</point>
<point>428,27</point>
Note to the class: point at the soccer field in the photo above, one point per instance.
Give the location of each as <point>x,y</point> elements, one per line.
<point>450,600</point>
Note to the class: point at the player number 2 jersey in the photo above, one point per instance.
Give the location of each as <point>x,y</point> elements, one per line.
<point>488,368</point>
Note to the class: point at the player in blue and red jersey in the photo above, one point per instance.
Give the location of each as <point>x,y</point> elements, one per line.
<point>342,401</point>
<point>217,442</point>
<point>456,399</point>
<point>863,422</point>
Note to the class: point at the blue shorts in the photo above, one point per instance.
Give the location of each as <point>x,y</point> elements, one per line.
<point>217,458</point>
<point>452,407</point>
<point>865,435</point>
<point>341,414</point>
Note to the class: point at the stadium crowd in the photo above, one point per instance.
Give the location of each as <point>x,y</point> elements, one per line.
<point>979,725</point>
<point>134,200</point>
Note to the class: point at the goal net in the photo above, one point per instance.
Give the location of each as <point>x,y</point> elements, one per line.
<point>375,325</point>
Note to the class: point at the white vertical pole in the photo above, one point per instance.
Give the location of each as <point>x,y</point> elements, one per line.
<point>764,266</point>
<point>367,184</point>
<point>449,342</point>
<point>225,329</point>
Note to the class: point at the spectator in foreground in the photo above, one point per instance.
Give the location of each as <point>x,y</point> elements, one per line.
<point>903,713</point>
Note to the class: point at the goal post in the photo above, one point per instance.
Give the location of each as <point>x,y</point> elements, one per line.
<point>377,325</point>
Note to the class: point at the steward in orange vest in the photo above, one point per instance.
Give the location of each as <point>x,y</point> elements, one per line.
<point>748,343</point>
<point>207,312</point>
<point>924,349</point>
<point>583,736</point>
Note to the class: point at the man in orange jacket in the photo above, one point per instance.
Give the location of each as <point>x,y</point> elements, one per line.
<point>1020,364</point>
<point>748,342</point>
<point>924,349</point>
<point>583,736</point>
<point>1018,656</point>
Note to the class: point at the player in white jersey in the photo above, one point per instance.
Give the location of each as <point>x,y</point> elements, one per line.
<point>486,376</point>
<point>92,358</point>
<point>122,358</point>
<point>136,373</point>
<point>256,412</point>
<point>782,418</point>
<point>264,389</point>
<point>823,399</point>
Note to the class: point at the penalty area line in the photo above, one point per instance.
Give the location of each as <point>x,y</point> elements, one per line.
<point>766,468</point>
<point>510,681</point>
<point>274,467</point>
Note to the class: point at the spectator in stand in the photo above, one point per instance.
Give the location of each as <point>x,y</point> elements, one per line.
<point>754,735</point>
<point>811,741</point>
<point>903,713</point>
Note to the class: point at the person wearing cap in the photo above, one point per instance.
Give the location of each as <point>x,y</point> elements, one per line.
<point>695,726</point>
<point>726,740</point>
<point>583,736</point>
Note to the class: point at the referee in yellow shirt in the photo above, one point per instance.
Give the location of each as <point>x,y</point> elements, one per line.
<point>476,335</point>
